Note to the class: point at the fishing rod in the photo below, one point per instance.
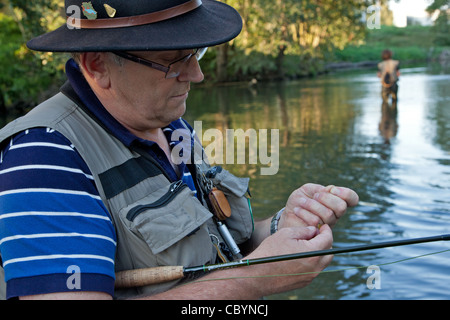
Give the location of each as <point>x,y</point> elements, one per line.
<point>148,276</point>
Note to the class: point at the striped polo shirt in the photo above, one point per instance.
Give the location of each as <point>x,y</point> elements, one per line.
<point>55,233</point>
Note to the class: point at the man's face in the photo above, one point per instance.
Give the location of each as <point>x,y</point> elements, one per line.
<point>147,99</point>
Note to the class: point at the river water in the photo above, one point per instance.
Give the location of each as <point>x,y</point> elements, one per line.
<point>332,130</point>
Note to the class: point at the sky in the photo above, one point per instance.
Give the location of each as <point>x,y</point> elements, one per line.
<point>404,8</point>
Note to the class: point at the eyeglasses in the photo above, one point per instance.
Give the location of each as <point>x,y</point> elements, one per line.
<point>172,70</point>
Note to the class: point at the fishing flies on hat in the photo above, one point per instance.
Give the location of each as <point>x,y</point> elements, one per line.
<point>133,25</point>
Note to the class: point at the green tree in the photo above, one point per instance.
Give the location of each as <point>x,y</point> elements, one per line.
<point>441,28</point>
<point>26,75</point>
<point>307,29</point>
<point>279,38</point>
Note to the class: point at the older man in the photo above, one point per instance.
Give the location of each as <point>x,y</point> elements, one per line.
<point>89,181</point>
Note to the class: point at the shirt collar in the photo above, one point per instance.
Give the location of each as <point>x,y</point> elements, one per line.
<point>87,97</point>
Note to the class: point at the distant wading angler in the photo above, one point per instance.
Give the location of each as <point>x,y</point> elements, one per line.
<point>88,182</point>
<point>389,73</point>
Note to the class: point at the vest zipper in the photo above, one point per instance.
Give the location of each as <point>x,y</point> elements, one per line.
<point>175,187</point>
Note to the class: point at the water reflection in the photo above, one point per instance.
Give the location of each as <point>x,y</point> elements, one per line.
<point>388,124</point>
<point>335,130</point>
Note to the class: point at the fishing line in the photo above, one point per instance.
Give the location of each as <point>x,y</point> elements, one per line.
<point>320,272</point>
<point>147,276</point>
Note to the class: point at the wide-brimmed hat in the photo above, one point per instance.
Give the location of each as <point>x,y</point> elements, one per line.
<point>141,25</point>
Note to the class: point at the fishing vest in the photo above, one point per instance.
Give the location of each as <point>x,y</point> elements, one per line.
<point>157,222</point>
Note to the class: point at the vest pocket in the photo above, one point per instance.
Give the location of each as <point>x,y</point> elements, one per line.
<point>174,189</point>
<point>166,217</point>
<point>240,222</point>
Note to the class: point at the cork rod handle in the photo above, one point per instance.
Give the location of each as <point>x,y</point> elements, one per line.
<point>148,276</point>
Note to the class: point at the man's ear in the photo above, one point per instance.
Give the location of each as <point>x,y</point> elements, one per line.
<point>95,67</point>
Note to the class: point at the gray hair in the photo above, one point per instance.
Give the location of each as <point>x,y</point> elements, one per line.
<point>118,60</point>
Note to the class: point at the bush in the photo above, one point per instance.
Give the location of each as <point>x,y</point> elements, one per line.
<point>412,43</point>
<point>26,75</point>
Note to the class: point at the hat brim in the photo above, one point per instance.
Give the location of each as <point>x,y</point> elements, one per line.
<point>210,24</point>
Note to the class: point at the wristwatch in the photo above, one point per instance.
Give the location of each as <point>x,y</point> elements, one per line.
<point>275,220</point>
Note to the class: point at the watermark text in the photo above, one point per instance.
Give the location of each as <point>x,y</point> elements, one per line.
<point>374,280</point>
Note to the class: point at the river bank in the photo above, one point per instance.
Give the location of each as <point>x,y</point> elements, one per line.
<point>412,45</point>
<point>333,131</point>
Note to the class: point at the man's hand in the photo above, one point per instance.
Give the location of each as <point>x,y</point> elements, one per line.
<point>289,241</point>
<point>315,205</point>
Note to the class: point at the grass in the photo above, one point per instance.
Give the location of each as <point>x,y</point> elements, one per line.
<point>413,43</point>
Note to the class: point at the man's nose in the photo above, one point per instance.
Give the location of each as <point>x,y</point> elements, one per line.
<point>192,72</point>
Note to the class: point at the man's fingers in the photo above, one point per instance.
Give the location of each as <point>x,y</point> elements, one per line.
<point>324,237</point>
<point>313,213</point>
<point>346,194</point>
<point>335,206</point>
<point>299,233</point>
